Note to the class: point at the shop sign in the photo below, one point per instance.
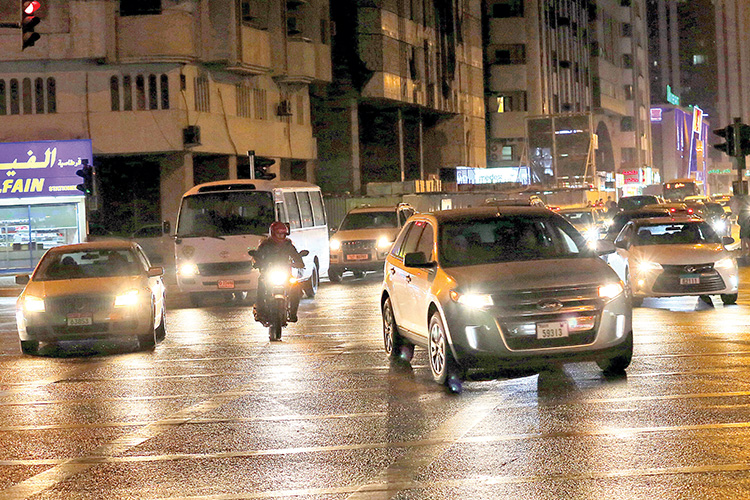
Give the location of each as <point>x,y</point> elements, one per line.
<point>43,168</point>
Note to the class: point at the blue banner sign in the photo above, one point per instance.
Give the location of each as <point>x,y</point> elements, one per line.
<point>43,168</point>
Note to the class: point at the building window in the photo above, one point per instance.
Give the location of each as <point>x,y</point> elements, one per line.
<point>625,3</point>
<point>626,124</point>
<point>510,54</point>
<point>508,102</point>
<point>627,29</point>
<point>260,104</point>
<point>629,92</point>
<point>244,97</point>
<point>15,105</point>
<point>164,91</point>
<point>627,61</point>
<point>202,102</point>
<point>300,110</point>
<point>26,96</point>
<point>506,153</point>
<point>140,93</point>
<point>699,59</point>
<point>114,93</point>
<point>51,95</point>
<point>507,8</point>
<point>3,106</point>
<point>153,93</point>
<point>140,7</point>
<point>39,96</point>
<point>628,156</point>
<point>127,93</point>
<point>255,13</point>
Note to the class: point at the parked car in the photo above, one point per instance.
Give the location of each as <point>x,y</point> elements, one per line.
<point>91,290</point>
<point>664,257</point>
<point>496,289</point>
<point>364,237</point>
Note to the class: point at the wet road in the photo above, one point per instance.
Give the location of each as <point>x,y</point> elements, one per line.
<point>218,412</point>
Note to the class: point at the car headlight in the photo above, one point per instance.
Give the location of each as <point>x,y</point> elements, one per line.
<point>384,243</point>
<point>610,290</point>
<point>278,277</point>
<point>188,270</point>
<point>592,234</point>
<point>33,304</point>
<point>335,245</point>
<point>127,299</point>
<point>725,263</point>
<point>646,266</point>
<point>719,225</point>
<point>473,300</point>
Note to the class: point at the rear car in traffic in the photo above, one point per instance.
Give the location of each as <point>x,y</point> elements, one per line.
<point>664,257</point>
<point>95,290</point>
<point>501,287</point>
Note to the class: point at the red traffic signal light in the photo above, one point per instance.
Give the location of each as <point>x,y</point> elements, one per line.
<point>29,20</point>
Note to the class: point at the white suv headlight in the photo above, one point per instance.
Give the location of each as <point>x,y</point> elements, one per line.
<point>335,245</point>
<point>473,300</point>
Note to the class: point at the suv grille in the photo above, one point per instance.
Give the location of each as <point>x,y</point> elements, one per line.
<point>520,311</point>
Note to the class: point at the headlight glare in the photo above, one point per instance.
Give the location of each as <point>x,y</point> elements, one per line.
<point>725,263</point>
<point>33,304</point>
<point>189,269</point>
<point>610,290</point>
<point>473,300</point>
<point>127,299</point>
<point>278,277</point>
<point>335,245</point>
<point>646,266</point>
<point>384,243</point>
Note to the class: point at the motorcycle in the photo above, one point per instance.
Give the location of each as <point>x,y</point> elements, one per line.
<point>278,280</point>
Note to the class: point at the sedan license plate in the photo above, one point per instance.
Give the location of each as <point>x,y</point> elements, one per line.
<point>358,256</point>
<point>226,283</point>
<point>556,330</point>
<point>80,319</point>
<point>690,280</point>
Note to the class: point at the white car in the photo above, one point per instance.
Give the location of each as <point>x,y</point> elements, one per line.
<point>99,289</point>
<point>663,257</point>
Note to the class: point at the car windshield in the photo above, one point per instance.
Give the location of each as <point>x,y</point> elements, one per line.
<point>622,218</point>
<point>87,264</point>
<point>226,213</point>
<point>579,218</point>
<point>369,220</point>
<point>676,234</point>
<point>506,239</point>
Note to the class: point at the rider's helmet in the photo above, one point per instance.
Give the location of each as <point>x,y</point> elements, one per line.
<point>278,231</point>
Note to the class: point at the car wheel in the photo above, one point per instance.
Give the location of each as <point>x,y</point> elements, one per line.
<point>29,346</point>
<point>619,363</point>
<point>311,285</point>
<point>161,330</point>
<point>728,298</point>
<point>442,365</point>
<point>634,301</point>
<point>396,347</point>
<point>147,341</point>
<point>334,275</point>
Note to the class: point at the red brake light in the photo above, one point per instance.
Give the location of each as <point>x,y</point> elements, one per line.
<point>690,210</point>
<point>673,210</point>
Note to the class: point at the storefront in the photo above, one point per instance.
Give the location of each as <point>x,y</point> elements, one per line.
<point>40,206</point>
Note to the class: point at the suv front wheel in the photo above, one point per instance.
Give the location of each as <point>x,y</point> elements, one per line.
<point>444,368</point>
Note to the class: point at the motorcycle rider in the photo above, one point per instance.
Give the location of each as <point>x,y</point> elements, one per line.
<point>277,249</point>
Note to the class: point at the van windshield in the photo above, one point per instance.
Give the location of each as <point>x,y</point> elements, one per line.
<point>226,214</point>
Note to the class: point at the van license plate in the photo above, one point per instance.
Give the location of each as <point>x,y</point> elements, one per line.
<point>690,280</point>
<point>226,283</point>
<point>77,319</point>
<point>358,256</point>
<point>556,330</point>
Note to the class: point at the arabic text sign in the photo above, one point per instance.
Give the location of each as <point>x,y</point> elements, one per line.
<point>44,168</point>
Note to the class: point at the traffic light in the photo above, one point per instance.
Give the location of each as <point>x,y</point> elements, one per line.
<point>29,20</point>
<point>86,172</point>
<point>738,139</point>
<point>261,168</point>
<point>744,134</point>
<point>727,133</point>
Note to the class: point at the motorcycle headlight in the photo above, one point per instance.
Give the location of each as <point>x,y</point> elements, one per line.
<point>188,270</point>
<point>127,299</point>
<point>473,300</point>
<point>33,304</point>
<point>278,277</point>
<point>384,243</point>
<point>335,245</point>
<point>725,263</point>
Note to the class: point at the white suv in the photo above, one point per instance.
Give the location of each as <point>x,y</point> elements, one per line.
<point>364,237</point>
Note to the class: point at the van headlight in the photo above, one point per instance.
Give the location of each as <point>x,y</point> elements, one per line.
<point>335,245</point>
<point>473,300</point>
<point>384,243</point>
<point>188,270</point>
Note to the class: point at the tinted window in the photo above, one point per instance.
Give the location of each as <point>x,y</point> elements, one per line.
<point>292,210</point>
<point>506,239</point>
<point>305,208</point>
<point>425,243</point>
<point>676,234</point>
<point>411,239</point>
<point>319,211</point>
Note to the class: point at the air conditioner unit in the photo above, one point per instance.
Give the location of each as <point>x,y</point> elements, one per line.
<point>284,108</point>
<point>191,136</point>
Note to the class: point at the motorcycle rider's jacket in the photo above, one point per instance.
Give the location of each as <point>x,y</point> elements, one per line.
<point>271,252</point>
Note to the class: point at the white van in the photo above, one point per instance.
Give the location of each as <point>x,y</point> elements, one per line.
<point>220,221</point>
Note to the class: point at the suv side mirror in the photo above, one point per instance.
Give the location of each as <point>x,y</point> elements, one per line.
<point>417,259</point>
<point>604,247</point>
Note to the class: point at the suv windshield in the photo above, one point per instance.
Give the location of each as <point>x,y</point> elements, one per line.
<point>369,220</point>
<point>676,234</point>
<point>507,239</point>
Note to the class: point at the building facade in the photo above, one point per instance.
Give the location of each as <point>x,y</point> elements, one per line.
<point>169,92</point>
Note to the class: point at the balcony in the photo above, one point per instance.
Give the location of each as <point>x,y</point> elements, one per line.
<point>137,40</point>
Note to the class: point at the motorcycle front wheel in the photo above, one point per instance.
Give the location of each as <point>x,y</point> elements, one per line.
<point>278,319</point>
